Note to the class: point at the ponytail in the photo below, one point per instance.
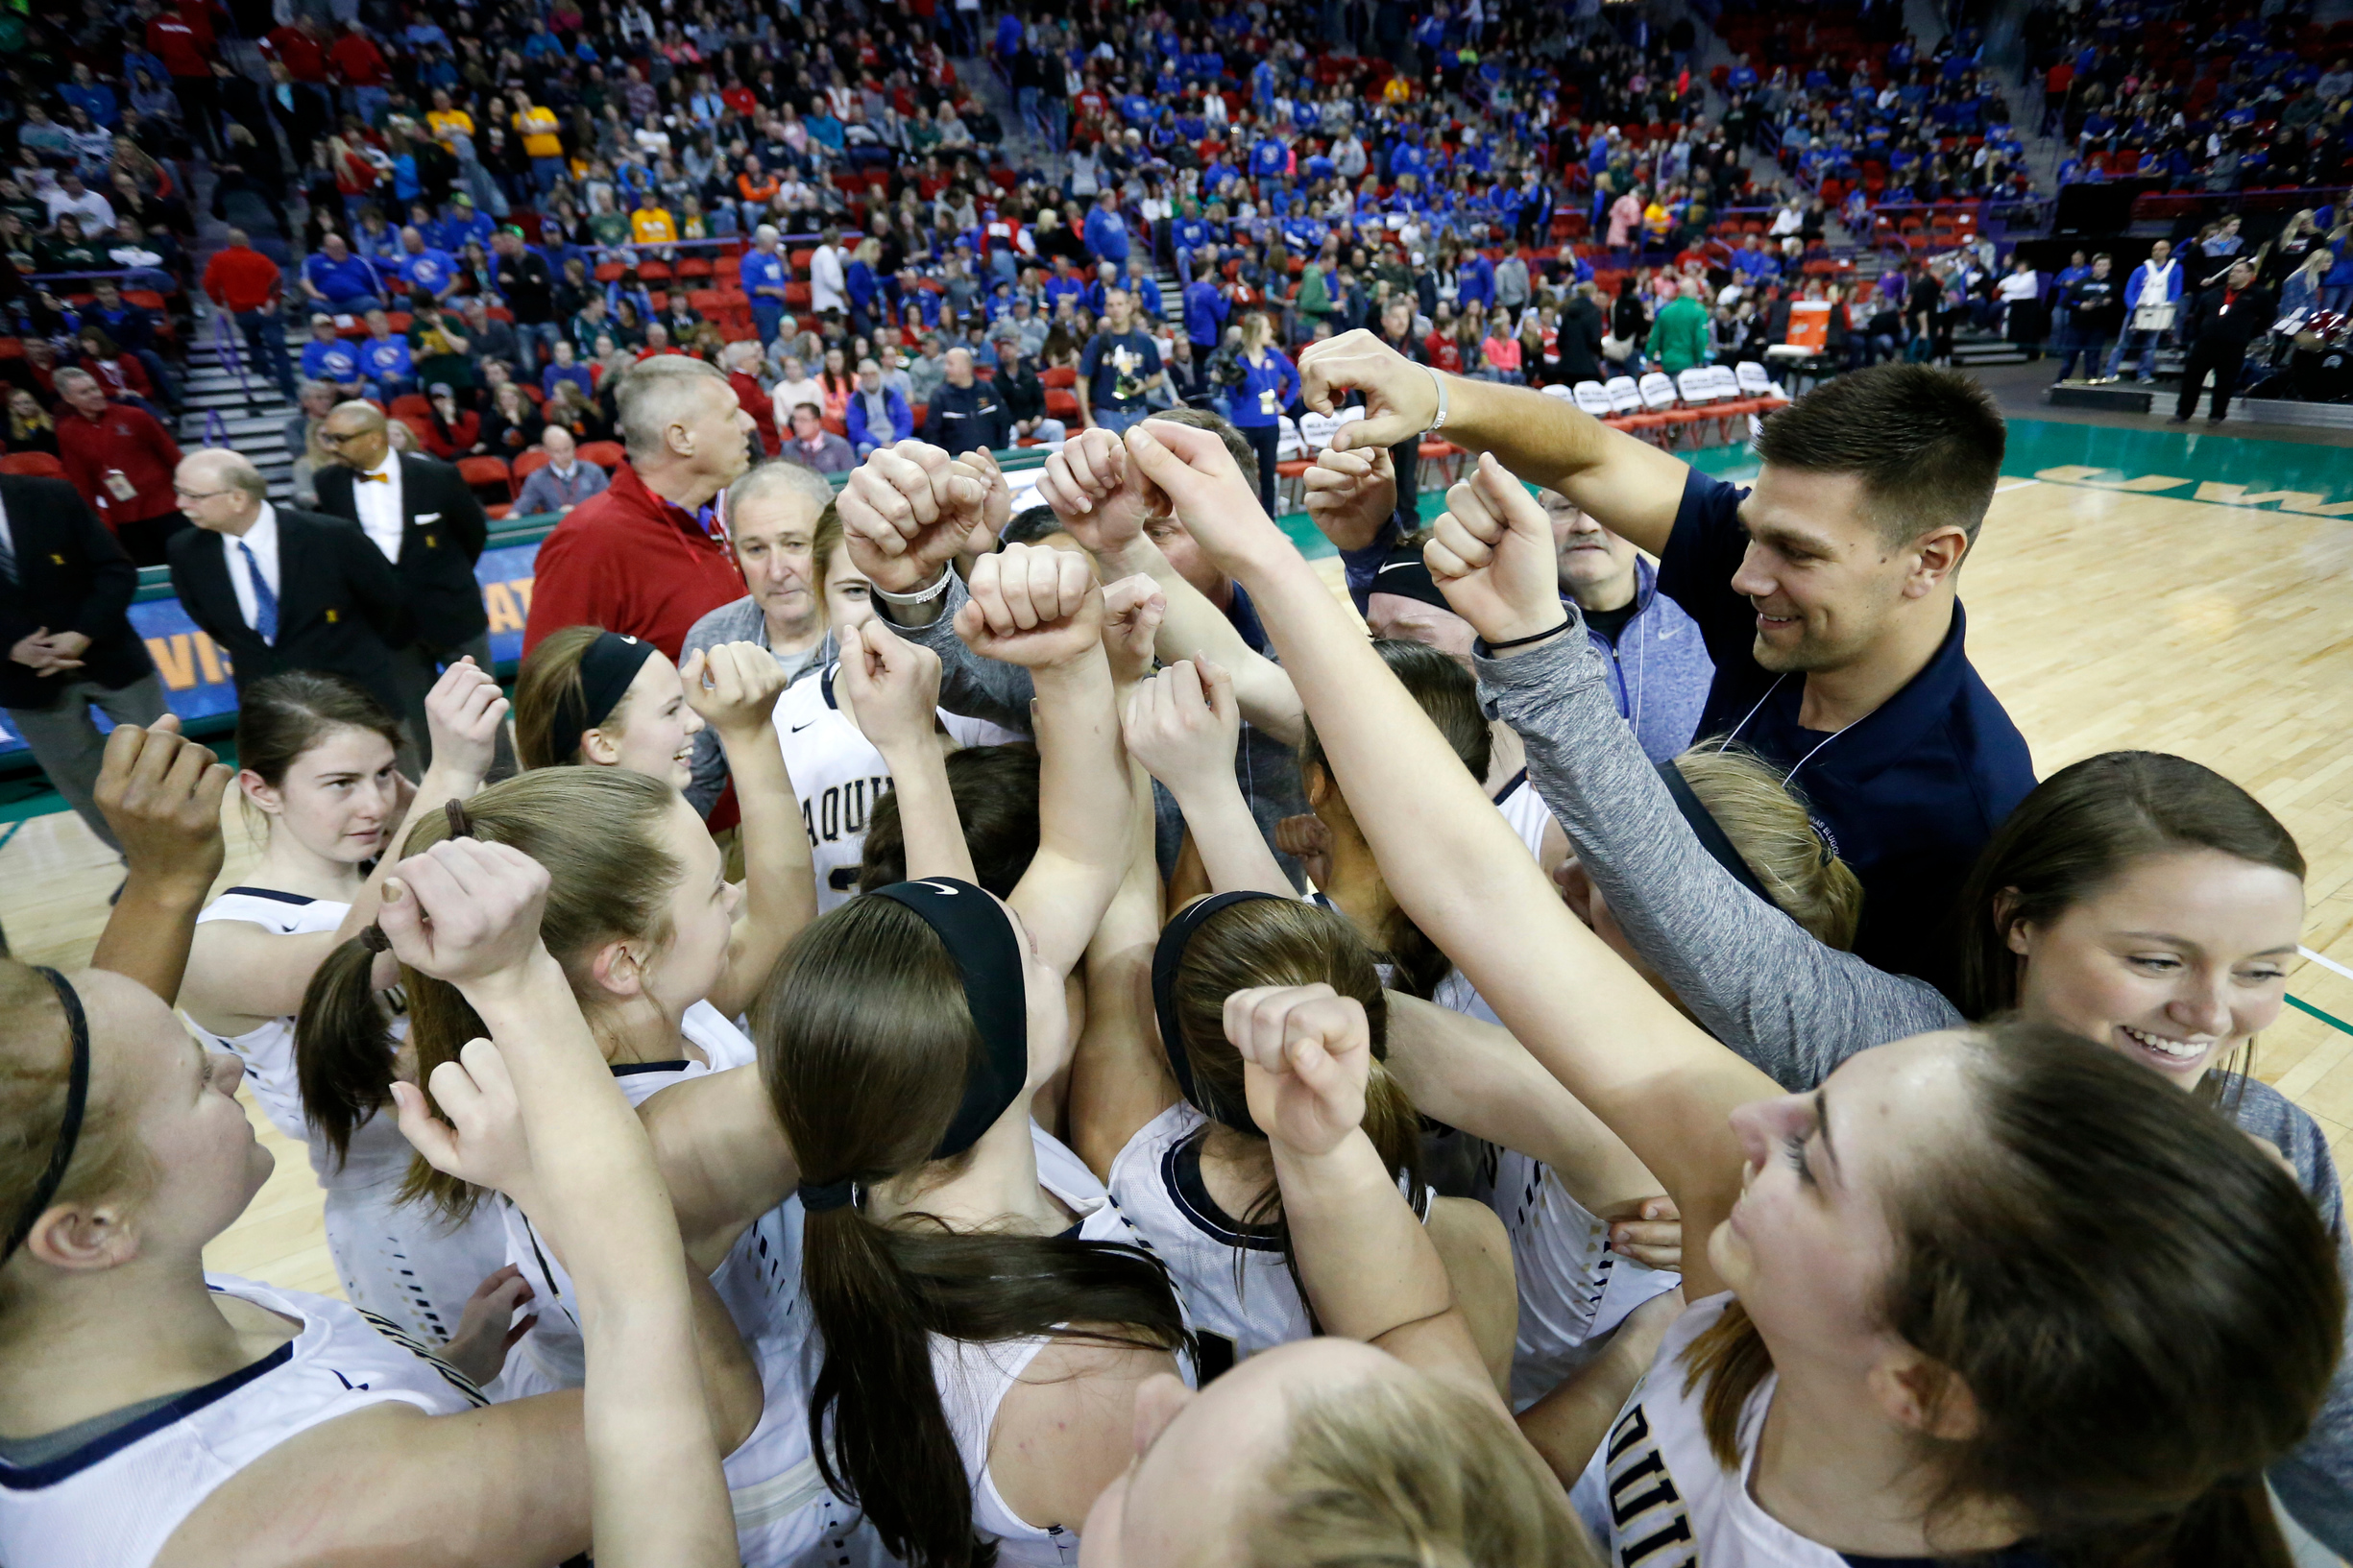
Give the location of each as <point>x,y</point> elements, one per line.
<point>2232,1523</point>
<point>343,1046</point>
<point>866,1039</point>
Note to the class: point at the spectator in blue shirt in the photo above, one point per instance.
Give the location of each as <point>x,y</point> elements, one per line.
<point>1064,281</point>
<point>346,284</point>
<point>1269,158</point>
<point>1754,263</point>
<point>384,359</point>
<point>876,415</point>
<point>1106,232</point>
<point>466,223</point>
<point>1266,384</point>
<point>765,280</point>
<point>1142,284</point>
<point>422,269</point>
<point>328,358</point>
<point>1206,304</point>
<point>567,367</point>
<point>1474,280</point>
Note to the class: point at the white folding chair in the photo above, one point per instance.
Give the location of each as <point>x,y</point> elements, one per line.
<point>1658,391</point>
<point>1287,443</point>
<point>1315,430</point>
<point>1557,389</point>
<point>1593,398</point>
<point>1624,394</point>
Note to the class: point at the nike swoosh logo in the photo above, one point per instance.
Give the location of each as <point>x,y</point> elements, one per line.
<point>798,728</point>
<point>941,887</point>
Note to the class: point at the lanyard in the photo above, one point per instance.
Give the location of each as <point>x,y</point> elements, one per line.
<point>1726,744</point>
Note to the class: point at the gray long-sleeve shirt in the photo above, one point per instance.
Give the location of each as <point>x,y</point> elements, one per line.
<point>738,621</point>
<point>1765,986</point>
<point>989,689</point>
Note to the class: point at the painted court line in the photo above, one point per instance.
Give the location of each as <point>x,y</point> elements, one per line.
<point>2320,959</point>
<point>2004,490</point>
<point>2303,1006</point>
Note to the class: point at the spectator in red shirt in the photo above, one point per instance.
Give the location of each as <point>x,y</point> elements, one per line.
<point>244,282</point>
<point>743,362</point>
<point>119,376</point>
<point>642,558</point>
<point>360,64</point>
<point>181,38</point>
<point>121,461</point>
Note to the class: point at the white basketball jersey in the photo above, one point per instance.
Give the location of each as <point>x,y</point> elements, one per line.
<point>1525,810</point>
<point>973,1379</point>
<point>400,1261</point>
<point>839,776</point>
<point>552,1355</point>
<point>1573,1290</point>
<point>114,1501</point>
<point>1655,1497</point>
<point>1237,1289</point>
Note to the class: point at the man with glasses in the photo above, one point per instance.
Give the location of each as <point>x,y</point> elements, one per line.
<point>280,589</point>
<point>429,525</point>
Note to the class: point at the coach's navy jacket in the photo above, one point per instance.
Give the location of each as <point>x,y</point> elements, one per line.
<point>1910,793</point>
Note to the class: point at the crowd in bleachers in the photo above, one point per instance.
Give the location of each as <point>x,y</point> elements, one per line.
<point>2246,99</point>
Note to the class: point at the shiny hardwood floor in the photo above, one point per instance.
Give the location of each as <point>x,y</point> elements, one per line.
<point>2107,610</point>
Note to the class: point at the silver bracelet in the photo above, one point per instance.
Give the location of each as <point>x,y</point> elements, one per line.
<point>1440,382</point>
<point>924,596</point>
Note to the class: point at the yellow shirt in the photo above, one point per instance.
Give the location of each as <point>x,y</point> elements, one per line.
<point>652,226</point>
<point>537,127</point>
<point>1397,90</point>
<point>446,123</point>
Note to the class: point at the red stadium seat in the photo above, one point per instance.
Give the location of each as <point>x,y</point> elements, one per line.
<point>31,466</point>
<point>482,473</point>
<point>605,454</point>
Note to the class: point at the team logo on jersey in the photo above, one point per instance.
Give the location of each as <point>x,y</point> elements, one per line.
<point>1650,1524</point>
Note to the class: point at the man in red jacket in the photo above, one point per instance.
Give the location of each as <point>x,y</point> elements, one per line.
<point>181,37</point>
<point>361,65</point>
<point>121,461</point>
<point>743,362</point>
<point>244,282</point>
<point>649,556</point>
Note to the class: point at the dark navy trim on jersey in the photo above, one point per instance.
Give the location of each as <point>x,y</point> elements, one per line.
<point>65,1466</point>
<point>623,1070</point>
<point>271,893</point>
<point>825,687</point>
<point>1180,1172</point>
<point>1505,793</point>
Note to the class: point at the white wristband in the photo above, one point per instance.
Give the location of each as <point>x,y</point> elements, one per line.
<point>923,596</point>
<point>1440,382</point>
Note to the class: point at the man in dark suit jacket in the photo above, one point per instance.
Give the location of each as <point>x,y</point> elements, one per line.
<point>282,590</point>
<point>431,526</point>
<point>65,590</point>
<point>2223,321</point>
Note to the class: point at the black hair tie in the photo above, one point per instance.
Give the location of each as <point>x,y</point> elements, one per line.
<point>69,1130</point>
<point>1168,956</point>
<point>374,939</point>
<point>606,668</point>
<point>825,1196</point>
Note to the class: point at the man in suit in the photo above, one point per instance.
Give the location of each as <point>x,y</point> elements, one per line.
<point>427,524</point>
<point>2223,321</point>
<point>65,589</point>
<point>282,590</point>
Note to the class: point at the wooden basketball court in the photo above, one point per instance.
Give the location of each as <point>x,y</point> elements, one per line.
<point>2131,590</point>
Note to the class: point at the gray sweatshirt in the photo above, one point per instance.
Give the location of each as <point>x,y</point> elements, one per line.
<point>1765,986</point>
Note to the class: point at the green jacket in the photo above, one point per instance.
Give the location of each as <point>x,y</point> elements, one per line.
<point>1315,300</point>
<point>1679,337</point>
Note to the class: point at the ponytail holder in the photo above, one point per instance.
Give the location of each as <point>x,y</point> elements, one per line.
<point>1168,956</point>
<point>374,939</point>
<point>455,810</point>
<point>825,1196</point>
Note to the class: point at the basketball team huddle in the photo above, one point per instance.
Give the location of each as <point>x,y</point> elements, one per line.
<point>1154,1077</point>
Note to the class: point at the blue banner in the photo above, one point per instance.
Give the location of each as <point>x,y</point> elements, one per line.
<point>196,674</point>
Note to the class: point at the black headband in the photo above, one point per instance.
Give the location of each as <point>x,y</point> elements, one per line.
<point>1709,834</point>
<point>979,938</point>
<point>611,663</point>
<point>1168,956</point>
<point>1404,573</point>
<point>69,1131</point>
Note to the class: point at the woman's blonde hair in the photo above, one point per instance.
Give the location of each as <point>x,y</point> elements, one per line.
<point>1770,827</point>
<point>1406,1472</point>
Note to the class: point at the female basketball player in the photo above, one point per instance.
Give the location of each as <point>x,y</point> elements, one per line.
<point>1984,1288</point>
<point>1159,1108</point>
<point>150,1413</point>
<point>315,756</point>
<point>2139,901</point>
<point>603,699</point>
<point>1381,1440</point>
<point>986,1316</point>
<point>640,918</point>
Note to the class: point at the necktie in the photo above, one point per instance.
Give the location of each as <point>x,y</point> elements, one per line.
<point>265,602</point>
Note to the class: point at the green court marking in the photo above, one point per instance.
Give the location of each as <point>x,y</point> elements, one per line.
<point>2332,1020</point>
<point>2261,465</point>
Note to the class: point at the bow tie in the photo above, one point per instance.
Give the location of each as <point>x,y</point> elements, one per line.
<point>383,478</point>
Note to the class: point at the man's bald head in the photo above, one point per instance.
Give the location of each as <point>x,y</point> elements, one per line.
<point>355,433</point>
